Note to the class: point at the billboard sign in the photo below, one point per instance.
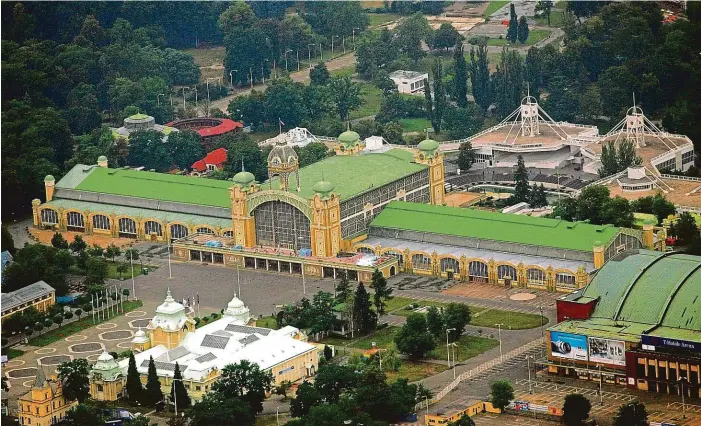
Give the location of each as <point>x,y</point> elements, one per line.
<point>607,351</point>
<point>568,346</point>
<point>650,342</point>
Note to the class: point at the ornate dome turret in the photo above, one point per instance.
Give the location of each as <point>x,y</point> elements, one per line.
<point>170,315</point>
<point>428,147</point>
<point>236,309</point>
<point>323,188</point>
<point>349,138</point>
<point>283,161</point>
<point>140,337</point>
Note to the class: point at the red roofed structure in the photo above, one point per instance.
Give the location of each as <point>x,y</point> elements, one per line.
<point>213,161</point>
<point>208,128</point>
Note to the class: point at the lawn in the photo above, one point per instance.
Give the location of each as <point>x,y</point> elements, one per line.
<point>113,274</point>
<point>406,312</point>
<point>492,7</point>
<point>371,97</point>
<point>557,19</point>
<point>397,302</point>
<point>267,322</point>
<point>377,19</point>
<point>207,58</point>
<point>511,320</point>
<point>415,371</point>
<point>415,124</point>
<point>383,338</point>
<point>468,347</point>
<point>13,353</point>
<point>77,326</point>
<point>343,72</point>
<point>534,36</point>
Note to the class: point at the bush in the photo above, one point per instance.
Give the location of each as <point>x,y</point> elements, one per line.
<point>214,315</point>
<point>48,323</point>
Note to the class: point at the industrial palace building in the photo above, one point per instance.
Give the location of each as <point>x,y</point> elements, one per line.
<point>365,208</point>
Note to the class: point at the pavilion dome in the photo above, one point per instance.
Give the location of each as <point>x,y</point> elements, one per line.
<point>49,178</point>
<point>428,145</point>
<point>237,309</point>
<point>102,158</point>
<point>140,337</point>
<point>106,367</point>
<point>349,137</point>
<point>244,178</point>
<point>282,155</point>
<point>323,187</point>
<point>170,315</point>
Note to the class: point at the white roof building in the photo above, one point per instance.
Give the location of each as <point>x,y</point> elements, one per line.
<point>409,81</point>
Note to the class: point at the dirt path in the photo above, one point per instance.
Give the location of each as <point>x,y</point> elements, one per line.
<point>301,76</point>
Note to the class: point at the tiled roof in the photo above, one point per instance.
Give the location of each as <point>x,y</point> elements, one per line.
<point>25,294</point>
<point>216,157</point>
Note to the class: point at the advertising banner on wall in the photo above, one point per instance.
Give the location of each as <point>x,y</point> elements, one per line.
<point>569,346</point>
<point>651,342</point>
<point>607,351</point>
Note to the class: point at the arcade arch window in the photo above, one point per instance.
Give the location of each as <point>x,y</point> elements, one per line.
<point>205,230</point>
<point>478,271</point>
<point>49,217</point>
<point>280,224</point>
<point>399,257</point>
<point>366,250</point>
<point>449,263</point>
<point>563,279</point>
<point>75,221</point>
<point>152,227</point>
<point>535,276</point>
<point>127,228</point>
<point>419,261</point>
<point>228,233</point>
<point>100,221</point>
<point>178,231</point>
<point>504,271</point>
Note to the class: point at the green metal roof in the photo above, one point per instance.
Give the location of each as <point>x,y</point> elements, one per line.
<point>148,185</point>
<point>354,174</point>
<point>644,292</point>
<point>494,226</point>
<point>190,219</point>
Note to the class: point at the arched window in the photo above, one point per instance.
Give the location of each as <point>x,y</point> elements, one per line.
<point>479,271</point>
<point>100,221</point>
<point>49,217</point>
<point>504,271</point>
<point>280,224</point>
<point>397,255</point>
<point>228,233</point>
<point>535,276</point>
<point>205,230</point>
<point>127,227</point>
<point>563,279</point>
<point>366,250</point>
<point>154,227</point>
<point>448,263</point>
<point>75,221</point>
<point>178,231</point>
<point>419,261</point>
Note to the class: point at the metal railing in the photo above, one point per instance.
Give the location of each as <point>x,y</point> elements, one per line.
<point>676,177</point>
<point>481,368</point>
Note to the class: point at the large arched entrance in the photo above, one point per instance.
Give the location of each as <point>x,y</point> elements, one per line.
<point>279,224</point>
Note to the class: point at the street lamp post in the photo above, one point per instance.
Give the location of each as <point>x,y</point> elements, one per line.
<point>309,51</point>
<point>681,381</point>
<point>196,105</point>
<point>356,28</point>
<point>286,52</point>
<point>297,59</point>
<point>426,399</point>
<point>344,44</point>
<point>454,348</point>
<point>447,348</point>
<point>231,78</point>
<point>542,335</point>
<point>250,71</point>
<point>277,416</point>
<point>501,353</point>
<point>158,98</point>
<point>321,52</point>
<point>238,278</point>
<point>601,386</point>
<point>170,271</point>
<point>133,284</point>
<point>184,88</point>
<point>528,365</point>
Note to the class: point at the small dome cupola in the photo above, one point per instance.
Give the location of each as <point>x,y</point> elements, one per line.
<point>49,179</point>
<point>349,138</point>
<point>283,161</point>
<point>102,161</point>
<point>323,188</point>
<point>237,309</point>
<point>428,147</point>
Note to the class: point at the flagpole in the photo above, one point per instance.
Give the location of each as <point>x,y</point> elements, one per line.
<point>133,285</point>
<point>92,307</point>
<point>170,272</point>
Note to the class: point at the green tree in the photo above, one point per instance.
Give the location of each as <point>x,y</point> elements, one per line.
<point>364,318</point>
<point>345,95</point>
<point>246,381</point>
<point>78,245</point>
<point>457,316</point>
<point>508,82</point>
<point>133,386</point>
<point>375,51</point>
<point>465,420</point>
<point>7,243</point>
<point>307,397</point>
<point>522,31</point>
<point>185,148</point>
<point>96,250</point>
<point>177,389</point>
<point>521,190</point>
<point>112,251</point>
<point>575,410</point>
<point>322,314</point>
<point>537,197</point>
<point>544,7</point>
<point>343,288</point>
<point>284,101</point>
<point>83,414</point>
<point>95,271</point>
<point>466,156</point>
<point>383,292</point>
<point>333,380</point>
<point>74,378</point>
<point>214,409</point>
<point>58,241</point>
<point>250,109</point>
<point>428,98</point>
<point>502,394</point>
<point>319,74</point>
<point>311,153</point>
<point>434,321</point>
<point>618,212</point>
<point>37,262</point>
<point>686,229</point>
<point>384,83</point>
<point>512,31</point>
<point>283,388</point>
<point>414,339</point>
<point>440,101</point>
<point>241,149</point>
<point>661,207</point>
<point>479,76</point>
<point>328,353</point>
<point>410,33</point>
<point>609,160</point>
<point>324,415</point>
<point>631,414</point>
<point>446,37</point>
<point>627,156</point>
<point>460,78</point>
<point>146,148</point>
<point>591,203</point>
<point>153,393</point>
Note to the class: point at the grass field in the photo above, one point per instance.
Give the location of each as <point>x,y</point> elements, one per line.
<point>468,347</point>
<point>414,371</point>
<point>77,326</point>
<point>113,274</point>
<point>267,322</point>
<point>371,97</point>
<point>397,302</point>
<point>492,7</point>
<point>13,353</point>
<point>557,19</point>
<point>534,36</point>
<point>415,124</point>
<point>207,58</point>
<point>343,72</point>
<point>377,19</point>
<point>511,320</point>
